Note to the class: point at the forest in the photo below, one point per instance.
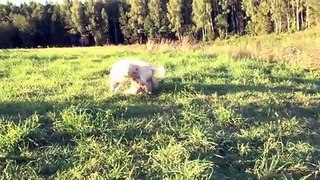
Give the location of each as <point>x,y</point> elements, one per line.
<point>103,22</point>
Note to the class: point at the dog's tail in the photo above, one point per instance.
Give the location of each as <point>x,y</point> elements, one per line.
<point>160,71</point>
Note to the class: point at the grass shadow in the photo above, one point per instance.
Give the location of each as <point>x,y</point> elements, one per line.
<point>296,80</point>
<point>3,74</point>
<point>23,109</point>
<point>210,56</point>
<point>269,112</point>
<point>37,140</point>
<point>176,85</point>
<point>123,54</point>
<point>5,56</point>
<point>301,121</point>
<point>17,112</point>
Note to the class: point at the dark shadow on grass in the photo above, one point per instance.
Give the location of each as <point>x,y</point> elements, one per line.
<point>242,55</point>
<point>307,116</point>
<point>216,75</point>
<point>45,135</point>
<point>124,54</point>
<point>23,109</point>
<point>129,106</point>
<point>3,74</point>
<point>43,58</point>
<point>146,110</point>
<point>296,80</point>
<point>176,85</point>
<point>19,111</point>
<point>228,158</point>
<point>100,74</point>
<point>210,56</point>
<point>124,108</point>
<point>270,112</point>
<point>5,56</point>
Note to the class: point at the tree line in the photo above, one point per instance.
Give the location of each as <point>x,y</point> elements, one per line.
<point>100,22</point>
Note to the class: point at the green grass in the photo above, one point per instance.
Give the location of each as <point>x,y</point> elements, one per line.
<point>214,117</point>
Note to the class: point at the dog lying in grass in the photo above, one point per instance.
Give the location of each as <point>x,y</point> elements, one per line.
<point>139,74</point>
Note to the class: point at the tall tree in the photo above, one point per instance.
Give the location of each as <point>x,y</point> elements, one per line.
<point>104,26</point>
<point>157,21</point>
<point>138,13</point>
<point>112,8</point>
<point>312,13</point>
<point>124,21</point>
<point>58,30</point>
<point>78,16</point>
<point>202,17</point>
<point>175,17</point>
<point>237,17</point>
<point>297,9</point>
<point>65,8</point>
<point>9,35</point>
<point>221,18</point>
<point>258,13</point>
<point>188,28</point>
<point>277,11</point>
<point>98,22</point>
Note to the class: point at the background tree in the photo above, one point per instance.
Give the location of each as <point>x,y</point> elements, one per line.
<point>154,19</point>
<point>221,18</point>
<point>236,17</point>
<point>98,22</point>
<point>175,17</point>
<point>124,21</point>
<point>202,17</point>
<point>57,27</point>
<point>12,38</point>
<point>112,9</point>
<point>277,11</point>
<point>259,17</point>
<point>188,28</point>
<point>157,22</point>
<point>312,13</point>
<point>79,20</point>
<point>137,16</point>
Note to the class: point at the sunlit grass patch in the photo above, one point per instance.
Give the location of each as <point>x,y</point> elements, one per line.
<point>12,133</point>
<point>214,117</point>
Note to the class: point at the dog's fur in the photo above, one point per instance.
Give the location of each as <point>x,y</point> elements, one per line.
<point>138,87</point>
<point>142,76</point>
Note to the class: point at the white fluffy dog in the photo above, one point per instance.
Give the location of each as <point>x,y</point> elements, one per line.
<point>142,75</point>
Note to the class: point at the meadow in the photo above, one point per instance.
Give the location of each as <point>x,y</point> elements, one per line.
<point>228,110</point>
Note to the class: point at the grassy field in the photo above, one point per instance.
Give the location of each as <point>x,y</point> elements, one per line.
<point>215,116</point>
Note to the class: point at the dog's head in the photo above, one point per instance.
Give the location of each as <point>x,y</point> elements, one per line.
<point>134,71</point>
